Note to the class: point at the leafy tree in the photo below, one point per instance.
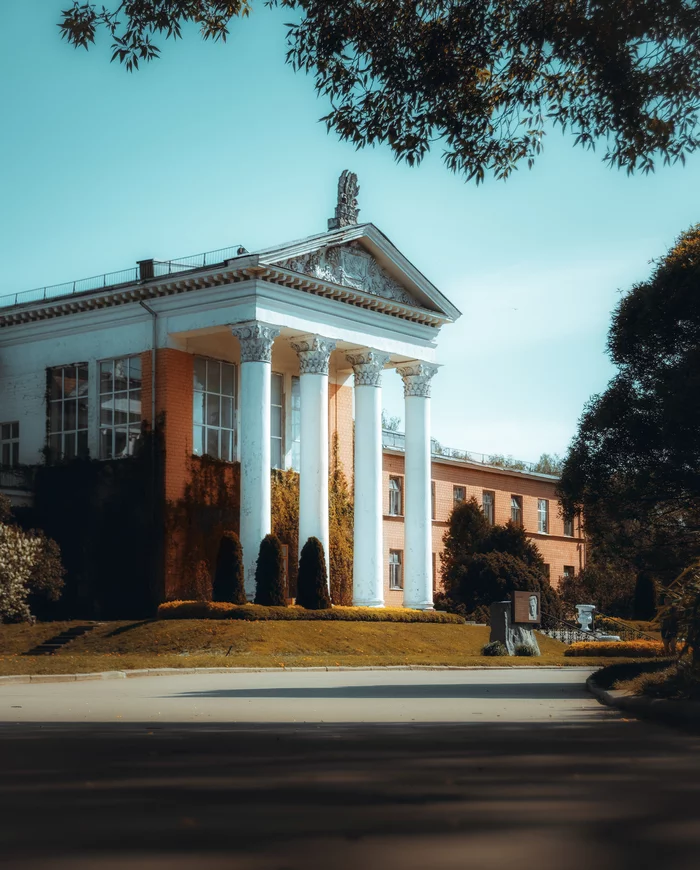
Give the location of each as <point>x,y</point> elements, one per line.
<point>312,583</point>
<point>483,563</point>
<point>391,424</point>
<point>269,574</point>
<point>228,582</point>
<point>340,529</point>
<point>483,79</point>
<point>285,518</point>
<point>634,465</point>
<point>609,585</point>
<point>549,464</point>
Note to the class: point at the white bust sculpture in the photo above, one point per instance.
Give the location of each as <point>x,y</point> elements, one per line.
<point>534,616</point>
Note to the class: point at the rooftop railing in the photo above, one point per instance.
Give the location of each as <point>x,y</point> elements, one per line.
<point>397,441</point>
<point>161,268</point>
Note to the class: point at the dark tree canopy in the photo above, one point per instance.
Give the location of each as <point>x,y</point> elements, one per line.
<point>482,563</point>
<point>634,465</point>
<point>484,79</point>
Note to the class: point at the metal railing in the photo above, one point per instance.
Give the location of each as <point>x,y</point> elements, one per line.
<point>397,441</point>
<point>561,630</point>
<point>21,477</point>
<point>161,268</point>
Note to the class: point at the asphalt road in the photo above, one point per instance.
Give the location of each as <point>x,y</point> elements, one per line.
<point>373,770</point>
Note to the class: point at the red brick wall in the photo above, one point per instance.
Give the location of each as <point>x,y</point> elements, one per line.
<point>557,550</point>
<point>340,421</point>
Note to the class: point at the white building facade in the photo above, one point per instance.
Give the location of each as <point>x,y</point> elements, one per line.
<point>267,337</point>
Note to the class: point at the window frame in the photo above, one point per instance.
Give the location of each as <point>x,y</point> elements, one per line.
<point>543,512</point>
<point>396,567</point>
<point>456,501</point>
<point>280,437</point>
<point>295,420</point>
<point>129,426</point>
<point>204,425</point>
<point>79,433</point>
<point>568,524</point>
<point>433,499</point>
<point>518,499</point>
<point>568,574</point>
<point>11,442</point>
<point>397,493</point>
<point>491,516</point>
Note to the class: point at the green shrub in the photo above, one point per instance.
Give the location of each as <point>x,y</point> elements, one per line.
<point>495,648</point>
<point>228,582</point>
<point>269,574</point>
<point>255,612</point>
<point>524,649</point>
<point>312,583</point>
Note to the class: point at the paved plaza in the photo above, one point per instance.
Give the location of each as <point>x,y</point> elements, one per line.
<point>373,769</point>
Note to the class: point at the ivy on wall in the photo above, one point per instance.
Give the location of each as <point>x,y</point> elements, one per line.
<point>285,519</point>
<point>341,514</point>
<point>195,525</point>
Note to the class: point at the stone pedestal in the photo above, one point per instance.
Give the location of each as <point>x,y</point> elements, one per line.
<point>510,635</point>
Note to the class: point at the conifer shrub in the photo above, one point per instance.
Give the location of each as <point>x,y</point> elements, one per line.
<point>269,574</point>
<point>228,582</point>
<point>312,582</point>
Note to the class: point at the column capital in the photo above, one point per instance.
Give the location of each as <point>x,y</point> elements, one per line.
<point>256,340</point>
<point>416,377</point>
<point>313,351</point>
<point>367,364</point>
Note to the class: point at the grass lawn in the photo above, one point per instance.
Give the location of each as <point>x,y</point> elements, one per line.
<point>175,643</point>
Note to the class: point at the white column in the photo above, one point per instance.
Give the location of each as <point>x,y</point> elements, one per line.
<point>368,555</point>
<point>256,367</point>
<point>418,526</point>
<point>313,352</point>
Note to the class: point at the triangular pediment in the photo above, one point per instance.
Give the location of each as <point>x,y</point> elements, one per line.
<point>350,265</point>
<point>361,258</point>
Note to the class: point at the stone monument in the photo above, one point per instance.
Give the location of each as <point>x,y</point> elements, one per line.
<point>346,211</point>
<point>510,633</point>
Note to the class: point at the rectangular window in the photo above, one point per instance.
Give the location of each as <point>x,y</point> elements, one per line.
<point>395,569</point>
<point>68,411</point>
<point>9,444</point>
<point>569,527</point>
<point>120,407</point>
<point>569,572</point>
<point>543,515</point>
<point>459,494</point>
<point>214,411</point>
<point>277,421</point>
<point>432,499</point>
<point>516,510</point>
<point>395,497</point>
<point>296,423</point>
<point>488,503</point>
<point>547,572</point>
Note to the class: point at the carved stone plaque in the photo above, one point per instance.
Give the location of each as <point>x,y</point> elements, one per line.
<point>526,608</point>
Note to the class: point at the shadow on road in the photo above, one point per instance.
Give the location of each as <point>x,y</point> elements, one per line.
<point>535,691</point>
<point>609,794</point>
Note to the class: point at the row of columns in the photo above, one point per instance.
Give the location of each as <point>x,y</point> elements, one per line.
<point>256,340</point>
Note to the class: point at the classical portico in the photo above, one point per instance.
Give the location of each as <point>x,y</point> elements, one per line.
<point>349,299</point>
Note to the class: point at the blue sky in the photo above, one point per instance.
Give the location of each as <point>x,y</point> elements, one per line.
<point>220,144</point>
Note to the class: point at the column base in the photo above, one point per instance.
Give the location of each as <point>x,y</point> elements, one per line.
<point>423,605</point>
<point>376,603</point>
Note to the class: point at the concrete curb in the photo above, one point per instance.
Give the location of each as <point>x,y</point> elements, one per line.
<point>659,709</point>
<point>174,672</point>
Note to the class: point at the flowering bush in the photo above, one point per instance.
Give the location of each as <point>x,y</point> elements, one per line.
<point>619,649</point>
<point>29,563</point>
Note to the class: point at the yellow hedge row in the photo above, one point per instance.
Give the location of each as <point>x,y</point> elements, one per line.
<point>621,649</point>
<point>255,612</point>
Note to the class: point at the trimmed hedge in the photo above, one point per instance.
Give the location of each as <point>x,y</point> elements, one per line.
<point>228,582</point>
<point>256,612</point>
<point>269,574</point>
<point>312,581</point>
<point>623,649</point>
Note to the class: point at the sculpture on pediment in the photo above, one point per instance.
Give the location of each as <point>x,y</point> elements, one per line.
<point>351,266</point>
<point>346,211</point>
